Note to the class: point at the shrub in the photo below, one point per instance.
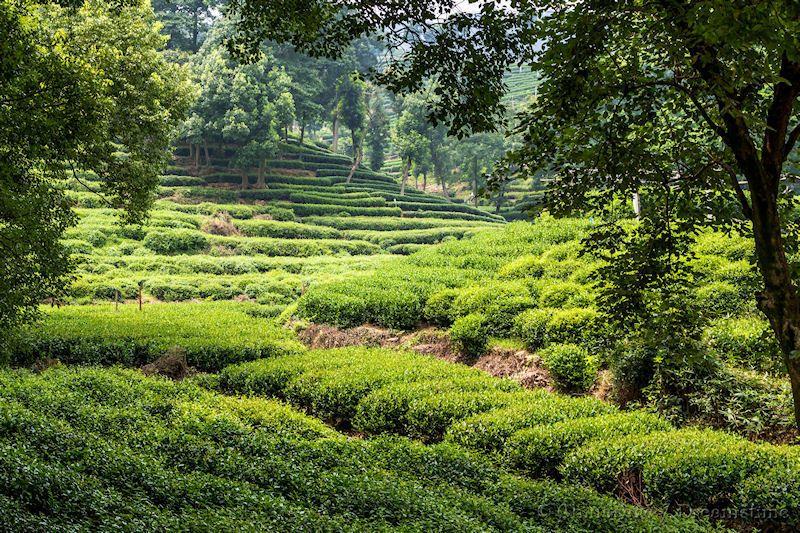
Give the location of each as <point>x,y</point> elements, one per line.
<point>692,468</point>
<point>564,294</point>
<point>531,327</point>
<point>773,495</point>
<point>213,334</point>
<point>570,367</point>
<point>438,308</point>
<point>284,230</point>
<point>528,266</point>
<point>538,451</point>
<point>747,342</point>
<point>489,431</point>
<point>468,335</point>
<point>540,327</point>
<point>720,298</point>
<point>164,241</point>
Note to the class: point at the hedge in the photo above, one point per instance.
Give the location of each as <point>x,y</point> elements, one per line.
<point>284,230</point>
<point>100,449</point>
<point>213,335</point>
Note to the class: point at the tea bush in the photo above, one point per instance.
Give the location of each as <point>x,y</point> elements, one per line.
<point>570,367</point>
<point>73,457</point>
<point>682,468</point>
<point>174,241</point>
<point>541,327</point>
<point>747,342</point>
<point>469,334</point>
<point>538,451</point>
<point>213,335</point>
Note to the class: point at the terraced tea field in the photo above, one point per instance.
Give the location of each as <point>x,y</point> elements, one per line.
<point>210,237</point>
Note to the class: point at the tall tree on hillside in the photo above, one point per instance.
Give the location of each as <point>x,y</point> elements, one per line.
<point>377,129</point>
<point>285,112</point>
<point>728,72</point>
<point>477,155</point>
<point>82,89</point>
<point>441,150</point>
<point>186,21</point>
<point>353,113</point>
<point>306,88</point>
<point>242,106</point>
<point>411,144</point>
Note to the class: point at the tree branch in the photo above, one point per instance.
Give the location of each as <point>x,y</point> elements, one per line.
<point>746,209</point>
<point>794,135</point>
<point>780,111</point>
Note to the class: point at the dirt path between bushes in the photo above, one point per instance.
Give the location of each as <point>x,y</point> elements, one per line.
<point>519,365</point>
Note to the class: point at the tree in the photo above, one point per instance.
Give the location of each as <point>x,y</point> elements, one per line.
<point>241,105</point>
<point>377,130</point>
<point>353,112</point>
<point>613,78</point>
<point>83,88</point>
<point>409,136</point>
<point>306,87</point>
<point>284,112</point>
<point>478,154</point>
<point>185,21</point>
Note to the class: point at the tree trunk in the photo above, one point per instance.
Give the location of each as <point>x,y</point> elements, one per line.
<point>500,198</point>
<point>197,156</point>
<point>260,180</point>
<point>205,149</point>
<point>191,152</point>
<point>416,181</point>
<point>444,188</point>
<point>245,181</point>
<point>302,133</point>
<point>425,181</point>
<point>195,30</point>
<point>406,167</point>
<point>475,181</point>
<point>637,204</point>
<point>357,156</point>
<point>335,142</point>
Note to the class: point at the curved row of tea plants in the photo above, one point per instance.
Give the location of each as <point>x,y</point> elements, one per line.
<point>95,449</point>
<point>579,440</point>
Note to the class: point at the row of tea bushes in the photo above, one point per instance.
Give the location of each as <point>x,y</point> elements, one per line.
<point>530,281</point>
<point>92,449</point>
<point>581,440</point>
<point>389,223</point>
<point>213,335</point>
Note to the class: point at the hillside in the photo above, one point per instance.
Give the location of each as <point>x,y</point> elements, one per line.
<point>262,243</point>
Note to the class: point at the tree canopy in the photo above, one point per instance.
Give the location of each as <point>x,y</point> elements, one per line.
<point>83,88</point>
<point>694,97</point>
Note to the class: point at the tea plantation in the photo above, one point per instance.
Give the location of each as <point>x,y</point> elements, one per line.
<point>209,238</point>
<point>266,432</point>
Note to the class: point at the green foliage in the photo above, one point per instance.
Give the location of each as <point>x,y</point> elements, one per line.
<point>540,327</point>
<point>692,468</point>
<point>539,451</point>
<point>721,298</point>
<point>564,294</point>
<point>89,448</point>
<point>87,86</point>
<point>570,366</point>
<point>469,334</point>
<point>171,241</point>
<point>438,307</point>
<point>746,342</point>
<point>213,335</point>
